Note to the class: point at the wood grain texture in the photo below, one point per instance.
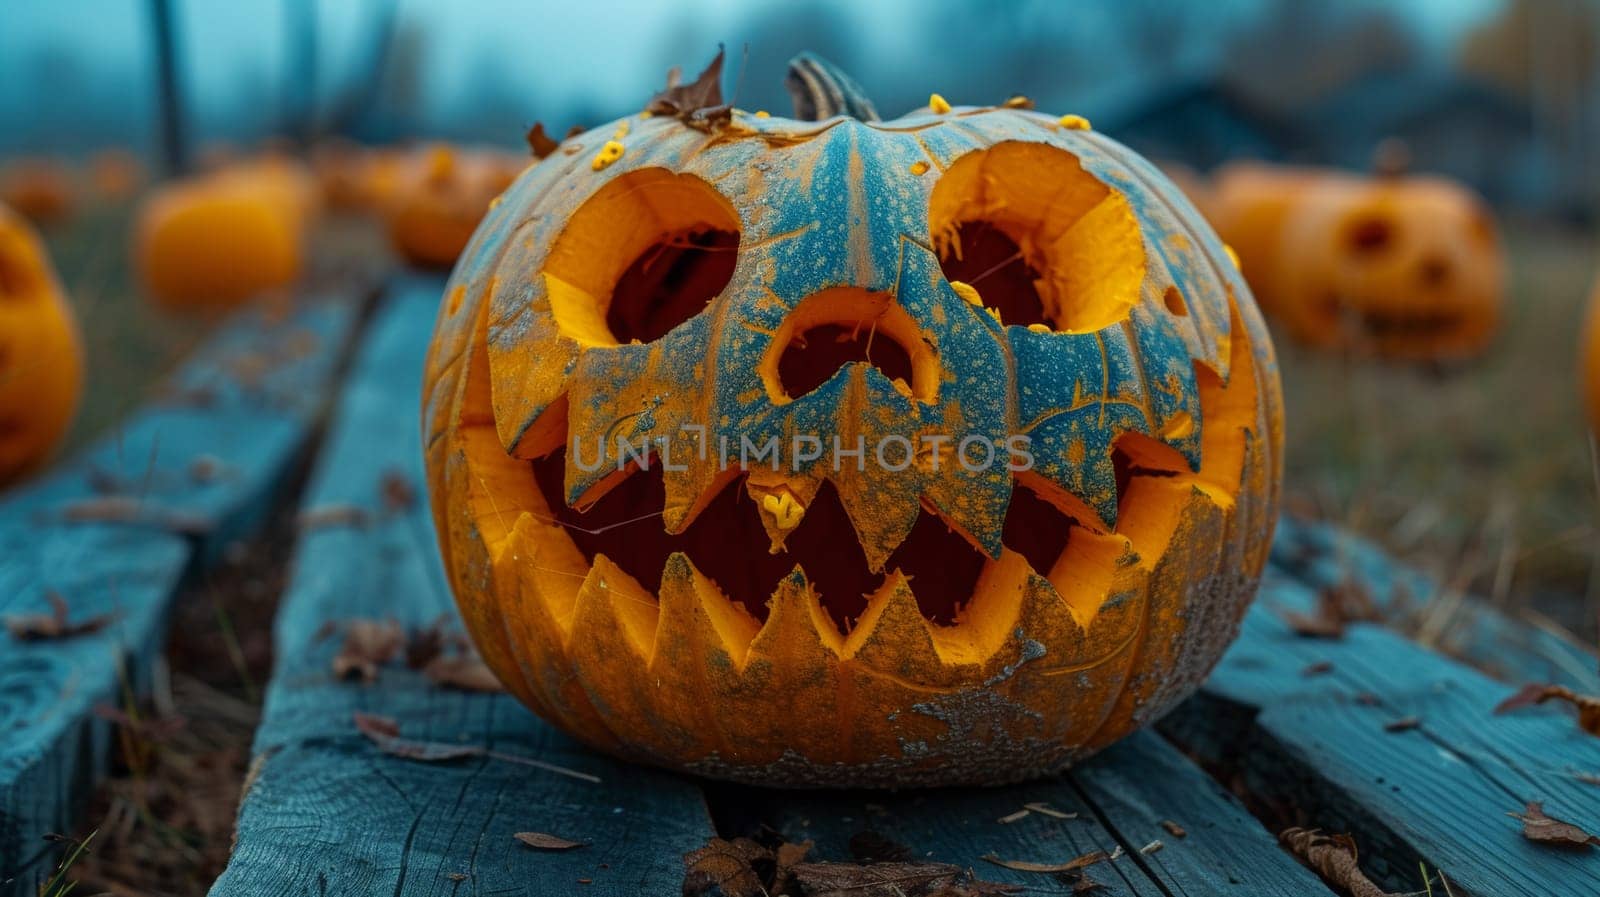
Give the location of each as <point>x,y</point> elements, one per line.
<point>1315,746</point>
<point>197,467</point>
<point>325,811</point>
<point>1516,649</point>
<point>1121,798</point>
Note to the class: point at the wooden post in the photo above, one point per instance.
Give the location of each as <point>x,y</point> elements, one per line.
<point>174,151</point>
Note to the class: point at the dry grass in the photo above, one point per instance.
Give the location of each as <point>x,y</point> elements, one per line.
<point>1479,473</point>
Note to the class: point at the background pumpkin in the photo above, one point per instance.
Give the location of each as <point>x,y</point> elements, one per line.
<point>1405,267</point>
<point>763,276</point>
<point>38,188</point>
<point>212,241</point>
<point>443,194</point>
<point>41,356</point>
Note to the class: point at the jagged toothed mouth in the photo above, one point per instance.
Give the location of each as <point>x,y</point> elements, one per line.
<point>726,542</point>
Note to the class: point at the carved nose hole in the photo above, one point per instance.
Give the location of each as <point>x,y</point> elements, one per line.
<point>834,329</point>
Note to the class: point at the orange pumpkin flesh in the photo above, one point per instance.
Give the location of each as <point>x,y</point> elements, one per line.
<point>1405,267</point>
<point>41,356</point>
<point>853,626</point>
<point>213,241</point>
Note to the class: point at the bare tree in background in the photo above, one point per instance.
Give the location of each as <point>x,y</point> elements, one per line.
<point>169,89</point>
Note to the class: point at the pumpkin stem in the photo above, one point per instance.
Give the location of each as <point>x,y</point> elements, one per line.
<point>822,90</point>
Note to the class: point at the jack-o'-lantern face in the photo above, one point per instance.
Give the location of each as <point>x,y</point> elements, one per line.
<point>41,357</point>
<point>838,453</point>
<point>1404,267</point>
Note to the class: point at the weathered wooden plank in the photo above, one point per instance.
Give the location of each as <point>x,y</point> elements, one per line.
<point>1309,727</point>
<point>114,531</point>
<point>1463,626</point>
<point>325,811</point>
<point>1120,798</point>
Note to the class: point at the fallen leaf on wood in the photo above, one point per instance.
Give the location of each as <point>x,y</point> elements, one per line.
<point>1368,699</point>
<point>1152,847</point>
<point>1318,668</point>
<point>697,104</point>
<point>127,509</point>
<point>728,869</point>
<point>1337,605</point>
<point>329,516</point>
<point>425,644</point>
<point>543,841</point>
<point>1403,724</point>
<point>1536,826</point>
<point>871,847</point>
<point>1588,778</point>
<point>397,491</point>
<point>1047,810</point>
<point>466,672</point>
<point>56,624</point>
<point>1088,859</point>
<point>540,143</point>
<point>1085,884</point>
<point>384,733</point>
<point>456,876</point>
<point>1588,706</point>
<point>1333,857</point>
<point>1174,829</point>
<point>1013,817</point>
<point>892,880</point>
<point>206,469</point>
<point>368,644</point>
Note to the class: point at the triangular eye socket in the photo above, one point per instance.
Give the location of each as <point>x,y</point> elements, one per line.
<point>642,255</point>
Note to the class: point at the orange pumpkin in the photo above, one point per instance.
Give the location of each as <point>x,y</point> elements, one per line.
<point>213,241</point>
<point>441,199</point>
<point>116,174</point>
<point>1405,267</point>
<point>41,356</point>
<point>656,362</point>
<point>39,189</point>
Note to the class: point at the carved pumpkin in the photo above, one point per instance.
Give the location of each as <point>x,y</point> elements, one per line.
<point>41,357</point>
<point>438,205</point>
<point>917,614</point>
<point>213,241</point>
<point>39,189</point>
<point>1405,267</point>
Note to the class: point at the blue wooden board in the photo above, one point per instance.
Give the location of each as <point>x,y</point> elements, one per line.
<point>197,467</point>
<point>1437,793</point>
<point>1120,798</point>
<point>1507,647</point>
<point>325,811</point>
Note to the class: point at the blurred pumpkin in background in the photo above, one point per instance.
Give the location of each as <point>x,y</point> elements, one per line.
<point>440,198</point>
<point>925,616</point>
<point>212,241</point>
<point>116,174</point>
<point>1406,267</point>
<point>39,189</point>
<point>41,355</point>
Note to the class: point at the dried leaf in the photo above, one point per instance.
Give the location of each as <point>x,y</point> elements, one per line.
<point>1085,884</point>
<point>397,491</point>
<point>728,868</point>
<point>1013,817</point>
<point>329,516</point>
<point>1318,668</point>
<point>892,880</point>
<point>1588,706</point>
<point>384,733</point>
<point>1152,847</point>
<point>871,847</point>
<point>1337,605</point>
<point>543,841</point>
<point>1088,859</point>
<point>1174,829</point>
<point>697,104</point>
<point>1333,857</point>
<point>540,143</point>
<point>466,672</point>
<point>57,624</point>
<point>1403,724</point>
<point>1047,810</point>
<point>368,644</point>
<point>127,509</point>
<point>1536,826</point>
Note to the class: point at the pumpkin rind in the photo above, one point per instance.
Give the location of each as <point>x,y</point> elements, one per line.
<point>41,353</point>
<point>1027,678</point>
